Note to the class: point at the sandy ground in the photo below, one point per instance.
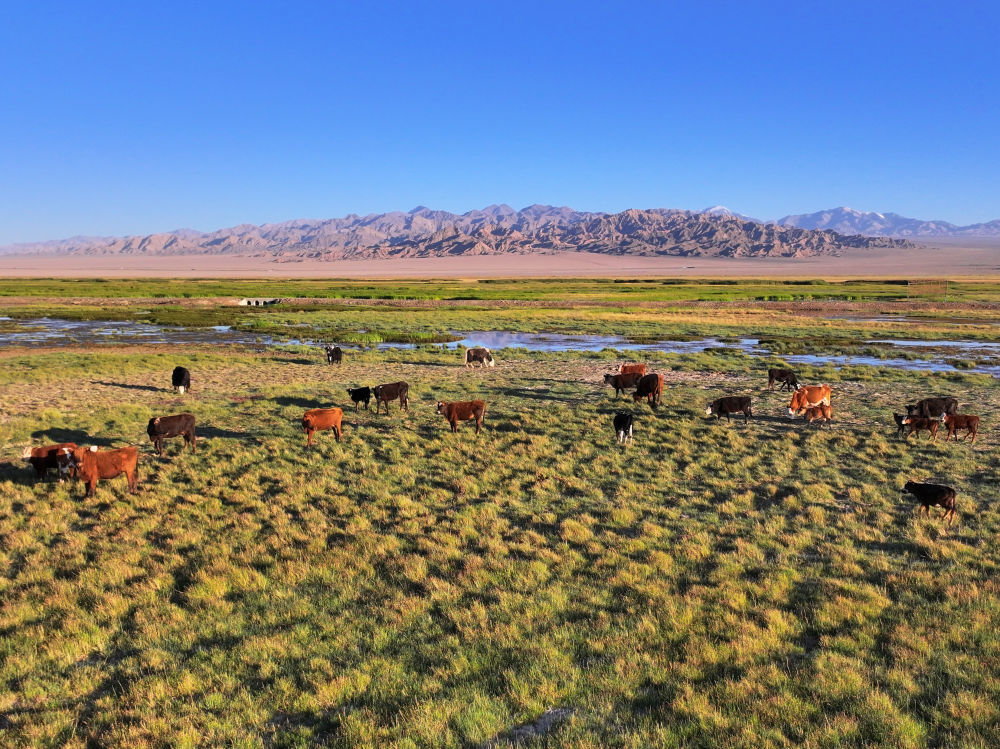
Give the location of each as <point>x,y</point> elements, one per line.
<point>938,260</point>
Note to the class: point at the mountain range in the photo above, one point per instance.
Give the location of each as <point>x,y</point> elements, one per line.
<point>868,223</point>
<point>497,229</point>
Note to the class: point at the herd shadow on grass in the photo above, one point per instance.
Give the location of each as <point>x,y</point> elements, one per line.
<point>128,386</point>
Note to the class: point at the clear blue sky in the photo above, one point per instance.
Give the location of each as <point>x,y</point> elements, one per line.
<point>132,117</point>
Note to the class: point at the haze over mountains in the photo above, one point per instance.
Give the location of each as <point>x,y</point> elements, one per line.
<point>495,230</point>
<point>868,223</point>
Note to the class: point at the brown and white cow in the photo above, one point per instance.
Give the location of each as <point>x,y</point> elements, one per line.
<point>92,464</point>
<point>479,354</point>
<point>809,396</point>
<point>44,458</point>
<point>462,411</point>
<point>639,369</point>
<point>319,419</point>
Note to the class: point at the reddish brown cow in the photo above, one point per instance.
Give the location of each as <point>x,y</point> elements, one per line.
<point>44,458</point>
<point>955,422</point>
<point>809,396</point>
<point>650,387</point>
<point>639,369</point>
<point>318,419</point>
<point>462,411</point>
<point>92,465</point>
<point>820,413</point>
<point>916,423</point>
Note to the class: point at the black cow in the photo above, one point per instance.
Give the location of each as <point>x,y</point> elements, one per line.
<point>624,422</point>
<point>178,425</point>
<point>786,377</point>
<point>390,392</point>
<point>334,355</point>
<point>933,408</point>
<point>900,426</point>
<point>359,395</point>
<point>731,404</point>
<point>181,380</point>
<point>933,495</point>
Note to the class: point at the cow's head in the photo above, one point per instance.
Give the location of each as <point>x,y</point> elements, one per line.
<point>906,420</point>
<point>26,454</point>
<point>710,409</point>
<point>440,407</point>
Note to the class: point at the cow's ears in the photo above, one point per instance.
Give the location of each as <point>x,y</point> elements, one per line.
<point>93,448</point>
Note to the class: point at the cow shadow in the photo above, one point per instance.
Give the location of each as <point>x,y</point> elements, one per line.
<point>291,400</point>
<point>127,386</point>
<point>298,360</point>
<point>212,433</point>
<point>56,434</point>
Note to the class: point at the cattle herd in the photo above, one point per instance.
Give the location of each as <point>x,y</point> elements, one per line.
<point>813,402</point>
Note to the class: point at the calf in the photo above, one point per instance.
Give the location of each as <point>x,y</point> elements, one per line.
<point>916,423</point>
<point>479,354</point>
<point>92,465</point>
<point>359,395</point>
<point>334,355</point>
<point>732,404</point>
<point>933,495</point>
<point>181,380</point>
<point>808,396</point>
<point>933,407</point>
<point>178,425</point>
<point>390,392</point>
<point>462,411</point>
<point>649,387</point>
<point>822,413</point>
<point>639,369</point>
<point>624,421</point>
<point>44,458</point>
<point>318,419</point>
<point>622,382</point>
<point>784,376</point>
<point>955,422</point>
<point>900,426</point>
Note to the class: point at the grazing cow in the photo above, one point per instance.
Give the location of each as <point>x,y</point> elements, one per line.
<point>181,380</point>
<point>479,354</point>
<point>933,407</point>
<point>649,387</point>
<point>462,411</point>
<point>624,421</point>
<point>178,425</point>
<point>386,393</point>
<point>639,369</point>
<point>821,413</point>
<point>334,355</point>
<point>784,376</point>
<point>622,382</point>
<point>44,458</point>
<point>92,465</point>
<point>955,422</point>
<point>731,404</point>
<point>359,395</point>
<point>900,426</point>
<point>916,423</point>
<point>318,419</point>
<point>933,495</point>
<point>808,396</point>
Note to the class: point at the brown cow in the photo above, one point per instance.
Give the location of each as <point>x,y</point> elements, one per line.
<point>822,413</point>
<point>318,419</point>
<point>650,387</point>
<point>622,382</point>
<point>462,411</point>
<point>916,423</point>
<point>809,396</point>
<point>178,425</point>
<point>639,369</point>
<point>933,495</point>
<point>44,458</point>
<point>92,465</point>
<point>386,393</point>
<point>955,422</point>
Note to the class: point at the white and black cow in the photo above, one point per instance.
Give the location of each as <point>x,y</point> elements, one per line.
<point>479,354</point>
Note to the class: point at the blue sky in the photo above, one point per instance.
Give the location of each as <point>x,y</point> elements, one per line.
<point>140,117</point>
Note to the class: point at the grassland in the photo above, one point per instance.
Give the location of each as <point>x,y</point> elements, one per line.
<point>713,585</point>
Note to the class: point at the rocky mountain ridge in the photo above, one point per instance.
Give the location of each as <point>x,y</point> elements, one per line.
<point>869,223</point>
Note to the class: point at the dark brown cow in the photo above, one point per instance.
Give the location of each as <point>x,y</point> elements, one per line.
<point>462,411</point>
<point>918,423</point>
<point>639,369</point>
<point>933,495</point>
<point>785,376</point>
<point>479,354</point>
<point>390,392</point>
<point>44,458</point>
<point>622,382</point>
<point>955,422</point>
<point>651,388</point>
<point>933,407</point>
<point>730,404</point>
<point>178,425</point>
<point>319,419</point>
<point>92,465</point>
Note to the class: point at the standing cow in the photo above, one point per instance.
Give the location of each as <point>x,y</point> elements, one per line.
<point>623,423</point>
<point>44,458</point>
<point>181,380</point>
<point>334,355</point>
<point>785,377</point>
<point>651,388</point>
<point>390,392</point>
<point>462,411</point>
<point>318,419</point>
<point>178,425</point>
<point>92,465</point>
<point>479,354</point>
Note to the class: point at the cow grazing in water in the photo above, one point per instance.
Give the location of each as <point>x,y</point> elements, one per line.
<point>622,382</point>
<point>319,419</point>
<point>390,392</point>
<point>44,458</point>
<point>933,407</point>
<point>918,423</point>
<point>479,354</point>
<point>822,413</point>
<point>92,465</point>
<point>624,421</point>
<point>639,369</point>
<point>651,388</point>
<point>731,404</point>
<point>954,422</point>
<point>933,495</point>
<point>334,355</point>
<point>181,380</point>
<point>785,377</point>
<point>163,427</point>
<point>359,396</point>
<point>462,411</point>
<point>809,396</point>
